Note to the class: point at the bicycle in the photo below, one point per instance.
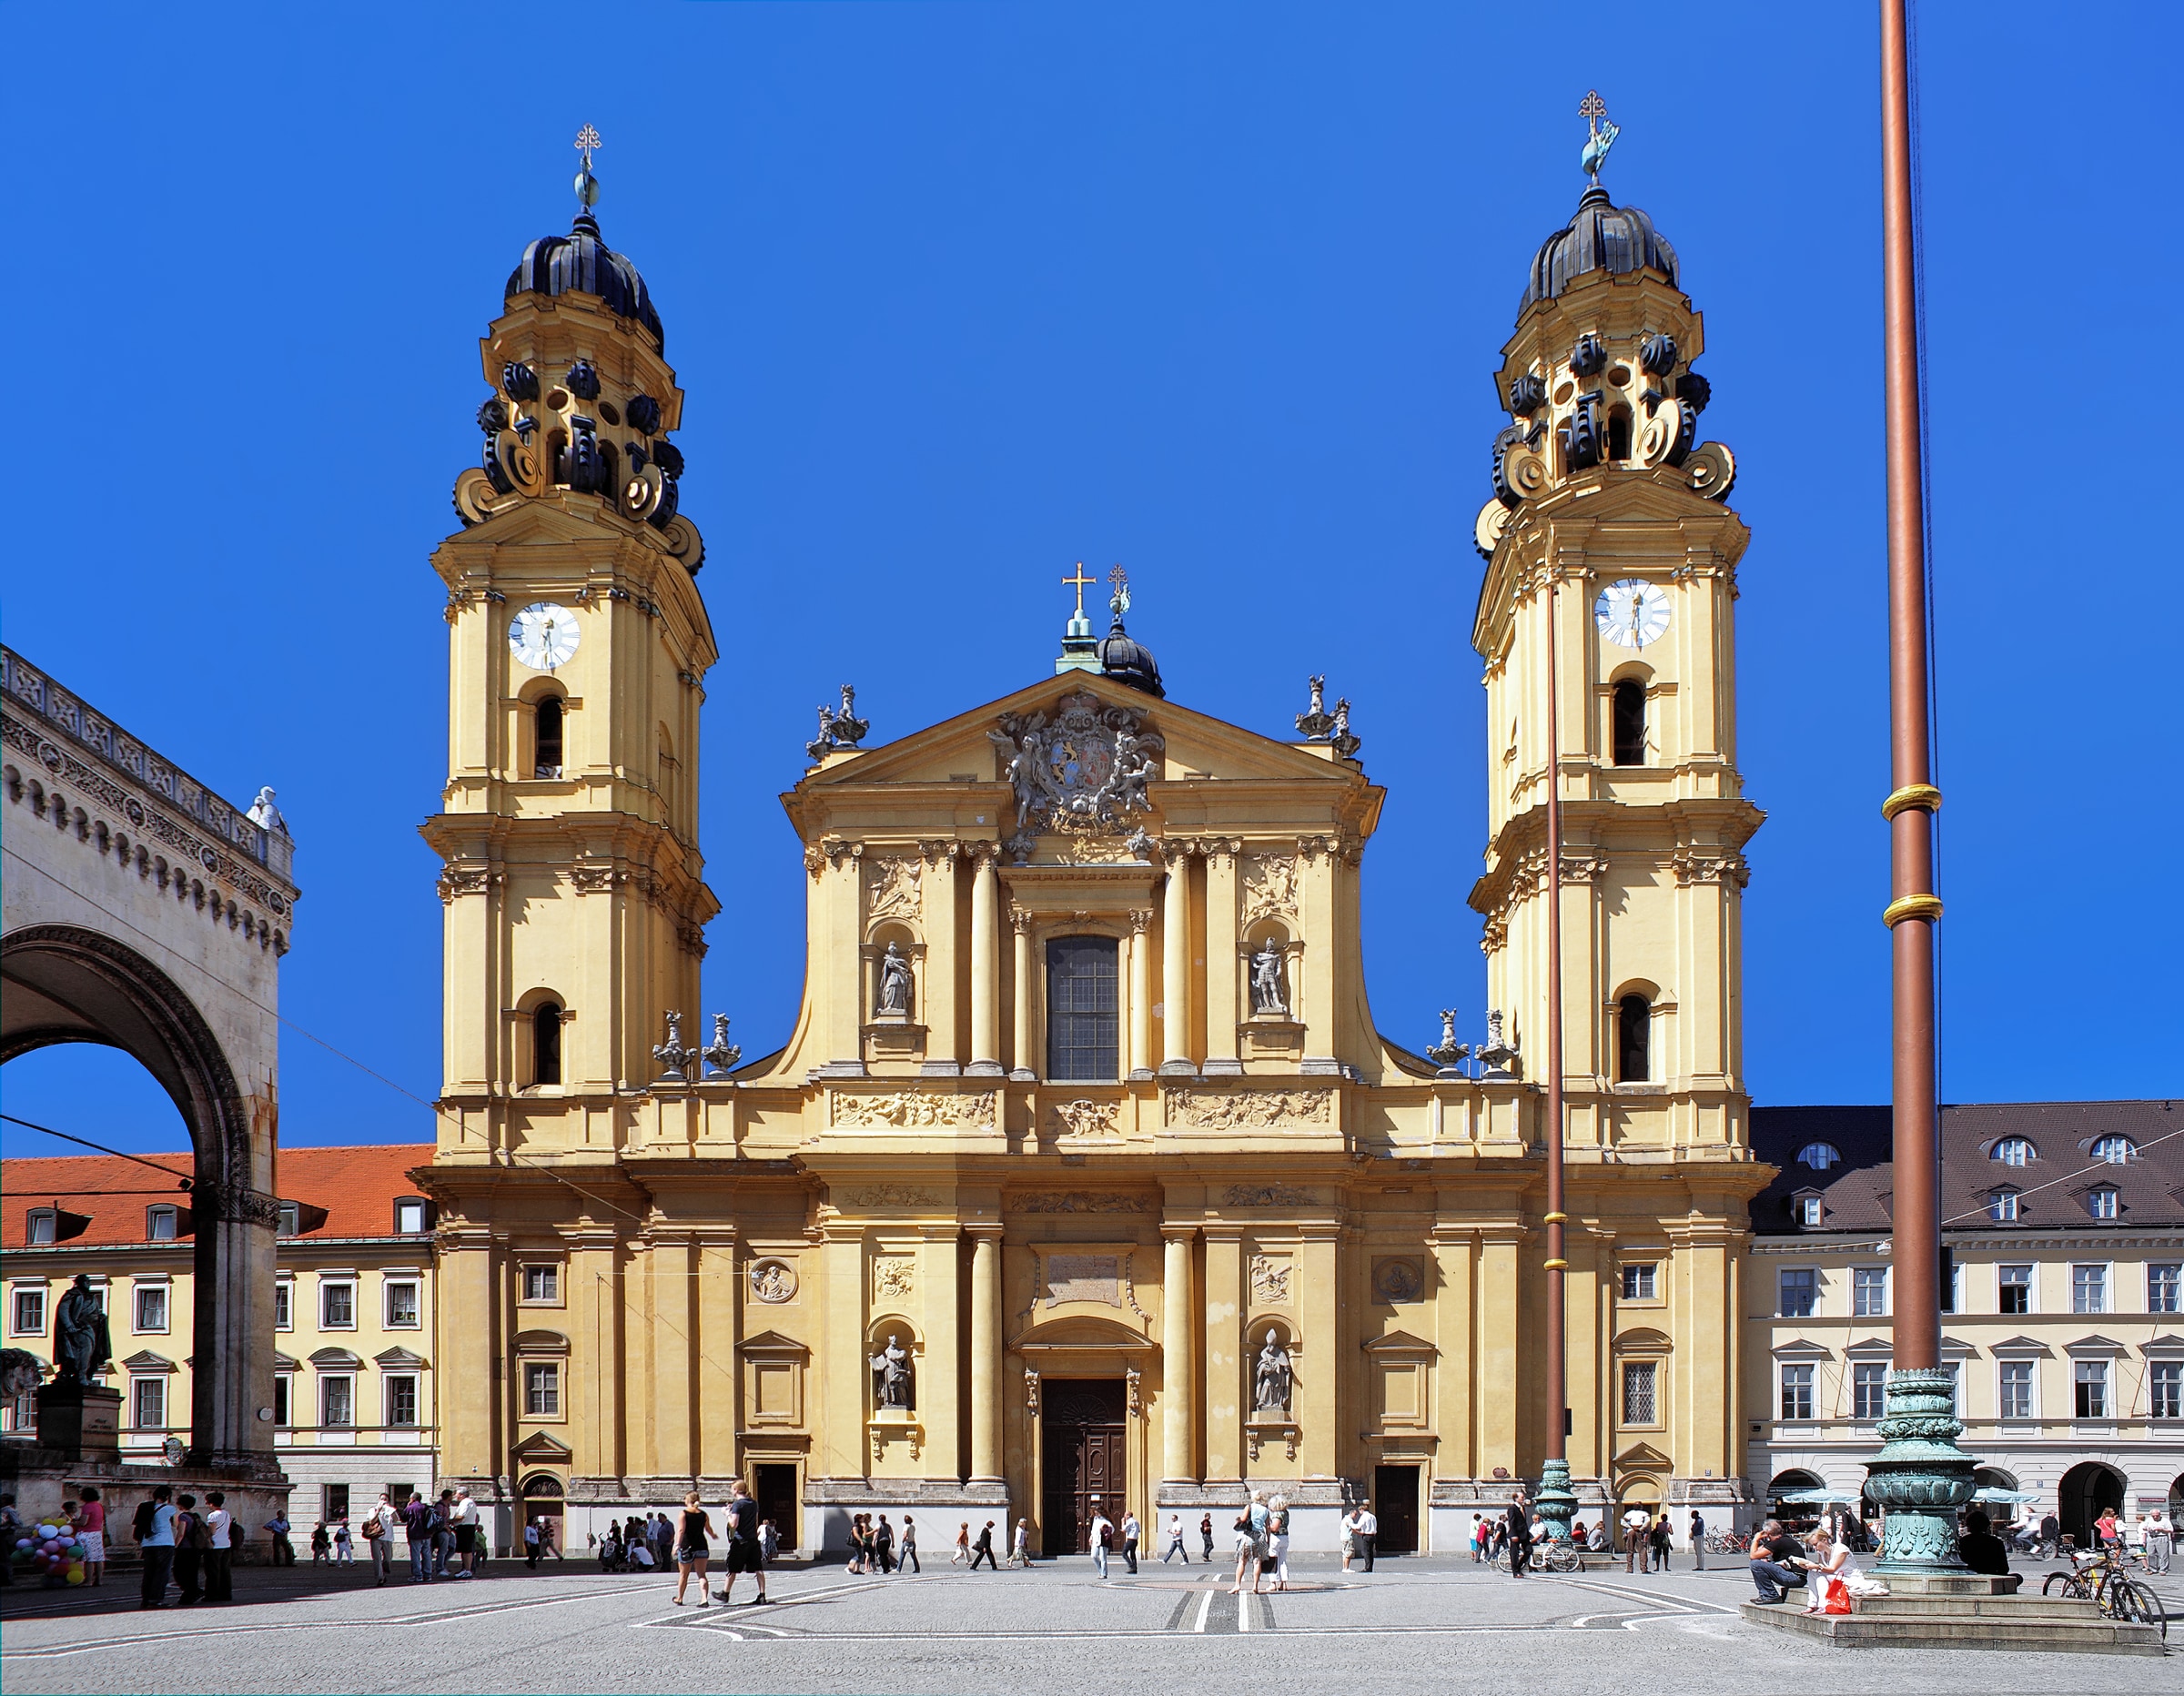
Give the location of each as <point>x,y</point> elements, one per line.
<point>1551,1557</point>
<point>2103,1580</point>
<point>1726,1543</point>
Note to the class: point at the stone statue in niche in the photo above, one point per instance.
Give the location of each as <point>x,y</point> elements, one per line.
<point>895,984</point>
<point>1270,1381</point>
<point>81,1341</point>
<point>1267,992</point>
<point>891,1376</point>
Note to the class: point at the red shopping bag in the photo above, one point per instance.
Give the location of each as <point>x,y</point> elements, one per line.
<point>1838,1597</point>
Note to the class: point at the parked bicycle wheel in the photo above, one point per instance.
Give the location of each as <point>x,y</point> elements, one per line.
<point>2131,1600</point>
<point>2067,1585</point>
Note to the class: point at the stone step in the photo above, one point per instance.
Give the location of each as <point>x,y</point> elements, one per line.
<point>1990,1629</point>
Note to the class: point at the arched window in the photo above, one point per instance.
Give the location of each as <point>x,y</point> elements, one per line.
<point>546,761</point>
<point>2014,1151</point>
<point>1820,1155</point>
<point>2115,1150</point>
<point>1633,1040</point>
<point>1082,1043</point>
<point>2002,1207</point>
<point>1619,433</point>
<point>546,1043</point>
<point>1630,722</point>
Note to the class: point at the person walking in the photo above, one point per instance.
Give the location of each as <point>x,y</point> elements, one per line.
<point>322,1545</point>
<point>156,1537</point>
<point>883,1545</point>
<point>1175,1541</point>
<point>963,1544</point>
<point>278,1527</point>
<point>378,1531</point>
<point>1477,1538</point>
<point>1019,1549</point>
<point>1635,1521</point>
<point>2160,1540</point>
<point>1205,1532</point>
<point>2051,1535</point>
<point>693,1549</point>
<point>1103,1538</point>
<point>345,1549</point>
<point>1131,1532</point>
<point>531,1544</point>
<point>1250,1542</point>
<point>219,1551</point>
<point>417,1531</point>
<point>443,1533</point>
<point>909,1547</point>
<point>1519,1537</point>
<point>744,1555</point>
<point>90,1527</point>
<point>1698,1541</point>
<point>983,1550</point>
<point>1369,1534</point>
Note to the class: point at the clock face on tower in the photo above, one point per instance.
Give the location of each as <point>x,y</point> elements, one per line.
<point>1632,613</point>
<point>543,636</point>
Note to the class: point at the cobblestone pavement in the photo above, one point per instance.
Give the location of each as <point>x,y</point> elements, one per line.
<point>1413,1625</point>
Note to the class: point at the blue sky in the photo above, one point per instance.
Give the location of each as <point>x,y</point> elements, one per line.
<point>961,294</point>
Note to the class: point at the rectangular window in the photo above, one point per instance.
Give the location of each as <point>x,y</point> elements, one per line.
<point>2163,1286</point>
<point>1809,1210</point>
<point>337,1306</point>
<point>2089,1290</point>
<point>1948,1280</point>
<point>2016,1288</point>
<point>2165,1390</point>
<point>2102,1204</point>
<point>159,1225</point>
<point>1797,1392</point>
<point>1868,1390</point>
<point>1638,1392</point>
<point>1797,1290</point>
<point>284,1306</point>
<point>408,1217</point>
<point>1082,1035</point>
<point>1869,1292</point>
<point>38,1230</point>
<point>401,1304</point>
<point>1638,1282</point>
<point>337,1502</point>
<point>542,1390</point>
<point>401,1398</point>
<point>149,1399</point>
<point>24,1412</point>
<point>338,1399</point>
<point>2014,1399</point>
<point>26,1313</point>
<point>282,1383</point>
<point>291,1218</point>
<point>151,1307</point>
<point>2092,1390</point>
<point>541,1283</point>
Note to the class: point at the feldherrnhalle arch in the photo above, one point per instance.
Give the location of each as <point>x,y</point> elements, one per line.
<point>144,912</point>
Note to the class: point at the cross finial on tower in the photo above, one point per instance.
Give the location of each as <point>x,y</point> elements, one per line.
<point>1080,580</point>
<point>587,138</point>
<point>1118,602</point>
<point>587,185</point>
<point>1599,136</point>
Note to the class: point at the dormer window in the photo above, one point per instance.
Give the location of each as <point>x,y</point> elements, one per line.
<point>1820,1156</point>
<point>2002,1207</point>
<point>409,1217</point>
<point>2103,1203</point>
<point>159,1225</point>
<point>39,1228</point>
<point>1807,1209</point>
<point>2013,1151</point>
<point>2115,1150</point>
<point>291,1218</point>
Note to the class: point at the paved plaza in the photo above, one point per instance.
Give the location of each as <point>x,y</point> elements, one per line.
<point>1415,1624</point>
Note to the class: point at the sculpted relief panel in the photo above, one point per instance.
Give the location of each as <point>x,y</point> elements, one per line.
<point>910,1109</point>
<point>892,890</point>
<point>1270,1280</point>
<point>1269,887</point>
<point>1255,1109</point>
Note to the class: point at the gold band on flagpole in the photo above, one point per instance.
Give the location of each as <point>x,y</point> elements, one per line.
<point>1927,907</point>
<point>1923,796</point>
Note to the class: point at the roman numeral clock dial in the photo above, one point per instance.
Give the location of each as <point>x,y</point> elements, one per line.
<point>1632,613</point>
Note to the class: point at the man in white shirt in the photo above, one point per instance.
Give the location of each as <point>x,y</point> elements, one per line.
<point>1131,1532</point>
<point>466,1533</point>
<point>1637,1524</point>
<point>1175,1540</point>
<point>378,1529</point>
<point>1353,1536</point>
<point>2160,1540</point>
<point>1369,1534</point>
<point>1103,1531</point>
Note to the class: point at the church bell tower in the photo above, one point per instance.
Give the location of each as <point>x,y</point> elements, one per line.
<point>1605,493</point>
<point>577,642</point>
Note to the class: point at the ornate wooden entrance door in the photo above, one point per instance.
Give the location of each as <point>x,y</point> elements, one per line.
<point>1085,1457</point>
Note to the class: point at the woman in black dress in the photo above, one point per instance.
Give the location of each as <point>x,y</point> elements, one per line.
<point>693,1539</point>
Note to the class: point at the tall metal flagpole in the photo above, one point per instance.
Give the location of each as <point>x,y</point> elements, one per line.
<point>1556,1502</point>
<point>1919,1477</point>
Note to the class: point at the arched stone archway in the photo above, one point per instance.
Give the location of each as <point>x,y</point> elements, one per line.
<point>145,913</point>
<point>2087,1488</point>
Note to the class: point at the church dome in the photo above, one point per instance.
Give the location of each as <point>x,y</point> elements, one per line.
<point>1601,236</point>
<point>579,263</point>
<point>1126,661</point>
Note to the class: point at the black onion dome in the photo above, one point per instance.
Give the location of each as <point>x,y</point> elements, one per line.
<point>579,263</point>
<point>1603,236</point>
<point>1126,661</point>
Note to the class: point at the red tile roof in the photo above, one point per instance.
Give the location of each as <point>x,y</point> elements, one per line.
<point>356,1187</point>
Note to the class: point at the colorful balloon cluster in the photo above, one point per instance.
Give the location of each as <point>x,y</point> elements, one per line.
<point>51,1554</point>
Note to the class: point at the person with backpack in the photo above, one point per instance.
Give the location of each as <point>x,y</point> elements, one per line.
<point>155,1537</point>
<point>378,1534</point>
<point>189,1551</point>
<point>744,1555</point>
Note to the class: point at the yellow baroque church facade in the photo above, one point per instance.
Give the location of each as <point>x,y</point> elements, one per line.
<point>1087,1179</point>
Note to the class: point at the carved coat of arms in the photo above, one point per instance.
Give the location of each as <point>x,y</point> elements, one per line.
<point>1081,770</point>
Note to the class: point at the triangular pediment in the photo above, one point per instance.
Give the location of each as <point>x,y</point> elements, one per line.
<point>2019,1346</point>
<point>1198,747</point>
<point>1642,1457</point>
<point>540,1447</point>
<point>398,1360</point>
<point>772,1342</point>
<point>145,1360</point>
<point>1399,1343</point>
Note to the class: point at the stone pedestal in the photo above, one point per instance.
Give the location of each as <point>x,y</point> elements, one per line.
<point>1961,1611</point>
<point>80,1421</point>
<point>1556,1502</point>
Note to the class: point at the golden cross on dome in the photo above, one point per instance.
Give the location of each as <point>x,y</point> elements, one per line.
<point>587,138</point>
<point>1080,580</point>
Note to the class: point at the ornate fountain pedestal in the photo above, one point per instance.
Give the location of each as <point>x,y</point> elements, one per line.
<point>1921,1479</point>
<point>1556,1502</point>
